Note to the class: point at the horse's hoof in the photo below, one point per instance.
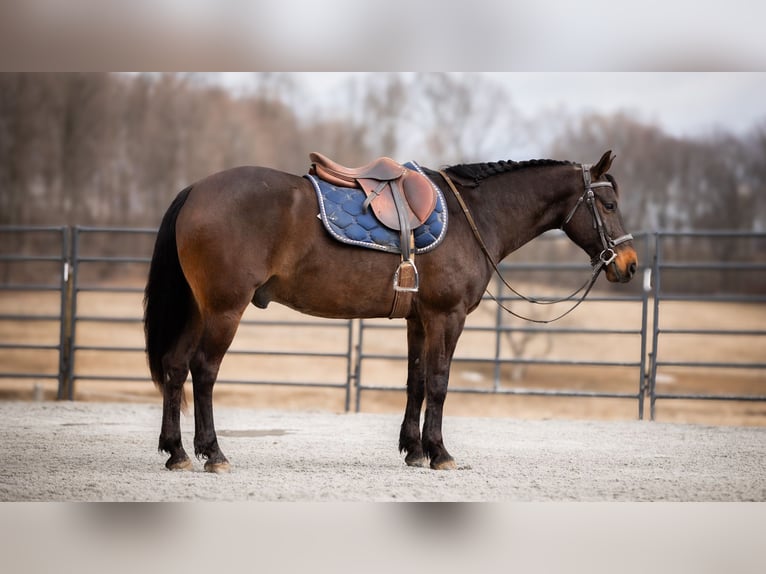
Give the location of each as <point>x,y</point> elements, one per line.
<point>218,467</point>
<point>417,461</point>
<point>448,464</point>
<point>183,464</point>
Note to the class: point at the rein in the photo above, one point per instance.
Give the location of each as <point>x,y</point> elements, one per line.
<point>606,257</point>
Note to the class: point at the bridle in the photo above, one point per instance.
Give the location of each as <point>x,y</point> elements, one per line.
<point>599,262</point>
<point>608,255</point>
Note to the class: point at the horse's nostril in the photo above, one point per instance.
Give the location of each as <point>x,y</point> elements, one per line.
<point>632,269</point>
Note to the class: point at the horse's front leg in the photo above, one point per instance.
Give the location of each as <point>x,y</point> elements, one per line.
<point>442,333</point>
<point>409,436</point>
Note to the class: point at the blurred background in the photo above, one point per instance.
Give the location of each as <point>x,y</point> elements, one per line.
<point>90,161</point>
<point>85,148</point>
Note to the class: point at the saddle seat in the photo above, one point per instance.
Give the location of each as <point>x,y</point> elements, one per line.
<point>386,183</point>
<point>382,169</point>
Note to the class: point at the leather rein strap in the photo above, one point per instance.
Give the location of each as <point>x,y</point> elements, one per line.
<point>607,256</point>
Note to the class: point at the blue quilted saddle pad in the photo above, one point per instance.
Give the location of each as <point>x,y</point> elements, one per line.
<point>341,212</point>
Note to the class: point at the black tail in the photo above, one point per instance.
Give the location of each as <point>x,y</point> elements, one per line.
<point>167,296</point>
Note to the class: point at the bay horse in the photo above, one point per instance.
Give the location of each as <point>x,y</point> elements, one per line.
<point>251,235</point>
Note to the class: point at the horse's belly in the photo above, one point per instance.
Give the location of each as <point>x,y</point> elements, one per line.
<point>338,297</point>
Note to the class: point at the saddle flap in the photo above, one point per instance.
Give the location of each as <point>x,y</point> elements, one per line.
<point>383,204</point>
<point>419,205</point>
<point>420,195</point>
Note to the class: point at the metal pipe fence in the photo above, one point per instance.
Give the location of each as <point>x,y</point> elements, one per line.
<point>35,268</point>
<point>499,359</point>
<point>82,259</point>
<point>745,284</point>
<point>618,345</point>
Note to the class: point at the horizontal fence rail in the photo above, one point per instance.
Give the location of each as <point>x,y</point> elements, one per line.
<point>739,280</point>
<point>89,346</point>
<point>70,313</point>
<point>507,337</point>
<point>35,270</point>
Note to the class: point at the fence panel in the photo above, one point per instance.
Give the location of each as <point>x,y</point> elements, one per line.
<point>110,270</point>
<point>713,351</point>
<point>597,352</point>
<point>34,301</point>
<point>70,320</point>
<point>109,265</point>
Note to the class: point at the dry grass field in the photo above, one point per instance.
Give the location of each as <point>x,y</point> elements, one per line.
<point>473,368</point>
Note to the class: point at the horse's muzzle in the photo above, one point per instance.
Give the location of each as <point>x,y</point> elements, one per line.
<point>624,266</point>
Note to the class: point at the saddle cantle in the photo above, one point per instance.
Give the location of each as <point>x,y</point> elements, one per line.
<point>379,180</point>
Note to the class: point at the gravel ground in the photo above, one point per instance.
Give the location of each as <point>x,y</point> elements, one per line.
<point>58,451</point>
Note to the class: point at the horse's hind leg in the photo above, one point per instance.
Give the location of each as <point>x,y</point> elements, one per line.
<point>170,433</point>
<point>409,436</point>
<point>218,335</point>
<point>176,366</point>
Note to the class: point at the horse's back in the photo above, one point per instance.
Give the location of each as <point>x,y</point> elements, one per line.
<point>243,204</point>
<point>244,191</point>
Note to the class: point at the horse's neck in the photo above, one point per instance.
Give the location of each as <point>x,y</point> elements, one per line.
<point>517,207</point>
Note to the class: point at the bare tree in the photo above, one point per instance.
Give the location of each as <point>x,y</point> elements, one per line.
<point>385,103</point>
<point>667,182</point>
<point>82,148</point>
<point>467,117</point>
<point>14,141</point>
<point>441,117</point>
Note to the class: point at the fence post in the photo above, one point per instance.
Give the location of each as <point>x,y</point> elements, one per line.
<point>358,367</point>
<point>350,362</point>
<point>643,384</point>
<point>65,389</point>
<point>499,317</point>
<point>656,321</point>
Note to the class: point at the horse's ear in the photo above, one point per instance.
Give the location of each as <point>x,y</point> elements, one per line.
<point>603,165</point>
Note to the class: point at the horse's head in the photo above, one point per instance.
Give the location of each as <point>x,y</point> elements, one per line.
<point>595,224</point>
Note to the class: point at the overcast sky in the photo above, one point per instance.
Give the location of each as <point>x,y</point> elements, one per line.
<point>681,103</point>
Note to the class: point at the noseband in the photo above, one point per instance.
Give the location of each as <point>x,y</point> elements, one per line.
<point>608,255</point>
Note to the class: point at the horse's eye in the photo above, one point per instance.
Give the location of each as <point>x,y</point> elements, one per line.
<point>609,206</point>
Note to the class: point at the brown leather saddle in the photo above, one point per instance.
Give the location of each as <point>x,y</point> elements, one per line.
<point>401,199</point>
<point>389,187</point>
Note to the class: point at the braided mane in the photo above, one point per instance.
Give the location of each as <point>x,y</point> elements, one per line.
<point>474,173</point>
